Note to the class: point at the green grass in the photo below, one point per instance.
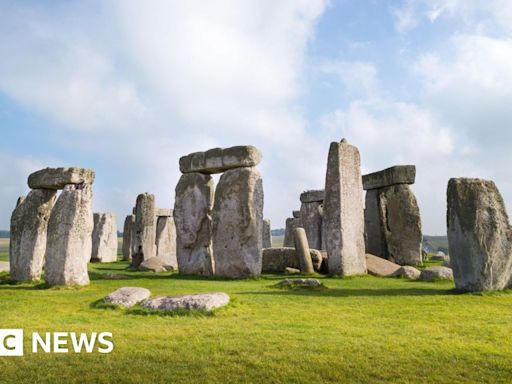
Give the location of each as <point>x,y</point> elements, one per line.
<point>363,329</point>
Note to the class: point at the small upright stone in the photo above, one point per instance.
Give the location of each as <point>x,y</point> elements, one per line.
<point>145,227</point>
<point>479,236</point>
<point>218,160</point>
<point>237,223</point>
<point>343,211</point>
<point>58,178</point>
<point>129,226</point>
<point>104,238</point>
<point>69,243</point>
<point>29,222</point>
<point>267,234</point>
<point>192,216</point>
<point>166,241</point>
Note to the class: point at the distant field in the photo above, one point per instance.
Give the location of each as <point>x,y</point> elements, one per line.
<point>277,241</point>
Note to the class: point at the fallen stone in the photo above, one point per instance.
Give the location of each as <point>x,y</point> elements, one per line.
<point>237,223</point>
<point>276,260</point>
<point>399,174</point>
<point>299,283</point>
<point>479,236</point>
<point>58,178</point>
<point>291,271</point>
<point>436,273</point>
<point>128,296</point>
<point>267,234</point>
<point>312,196</point>
<point>407,272</point>
<point>302,250</point>
<point>378,266</point>
<point>128,229</point>
<point>69,244</point>
<point>343,219</point>
<point>192,216</point>
<point>166,240</point>
<point>218,160</point>
<point>202,302</point>
<point>154,264</point>
<point>144,238</point>
<point>28,235</point>
<point>104,238</point>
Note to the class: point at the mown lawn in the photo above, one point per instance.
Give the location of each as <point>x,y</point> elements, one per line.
<point>363,329</point>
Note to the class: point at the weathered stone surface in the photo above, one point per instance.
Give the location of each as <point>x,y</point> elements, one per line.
<point>296,214</point>
<point>399,174</point>
<point>203,302</point>
<point>128,235</point>
<point>291,271</point>
<point>27,246</point>
<point>4,266</point>
<point>267,234</point>
<point>237,223</point>
<point>378,266</point>
<point>20,200</point>
<point>436,273</point>
<point>291,224</point>
<point>311,216</point>
<point>479,236</point>
<point>128,296</point>
<point>218,160</point>
<point>300,283</point>
<point>166,240</point>
<point>192,215</point>
<point>275,260</point>
<point>154,264</point>
<point>302,250</point>
<point>407,272</point>
<point>69,244</point>
<point>163,212</point>
<point>312,196</point>
<point>58,178</point>
<point>104,238</point>
<point>144,237</point>
<point>343,211</point>
<point>374,221</point>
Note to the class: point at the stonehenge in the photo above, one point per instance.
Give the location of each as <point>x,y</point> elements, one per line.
<point>144,236</point>
<point>392,216</point>
<point>302,250</point>
<point>311,215</point>
<point>53,233</point>
<point>266,234</point>
<point>166,239</point>
<point>343,219</point>
<point>219,231</point>
<point>479,235</point>
<point>291,224</point>
<point>104,238</point>
<point>128,228</point>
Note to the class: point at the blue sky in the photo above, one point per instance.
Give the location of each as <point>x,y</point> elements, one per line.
<point>127,89</point>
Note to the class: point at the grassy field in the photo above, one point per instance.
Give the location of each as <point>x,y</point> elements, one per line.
<point>363,329</point>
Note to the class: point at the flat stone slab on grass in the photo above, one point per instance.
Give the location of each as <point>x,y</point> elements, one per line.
<point>299,283</point>
<point>154,264</point>
<point>399,174</point>
<point>201,302</point>
<point>4,266</point>
<point>407,272</point>
<point>218,160</point>
<point>436,273</point>
<point>58,178</point>
<point>128,296</point>
<point>378,266</point>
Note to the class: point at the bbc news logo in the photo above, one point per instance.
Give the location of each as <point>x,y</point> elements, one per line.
<point>11,342</point>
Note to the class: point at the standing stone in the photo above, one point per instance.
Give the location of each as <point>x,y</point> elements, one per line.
<point>104,238</point>
<point>29,222</point>
<point>192,216</point>
<point>237,223</point>
<point>343,211</point>
<point>129,226</point>
<point>291,224</point>
<point>69,243</point>
<point>479,236</point>
<point>374,224</point>
<point>267,234</point>
<point>166,241</point>
<point>311,213</point>
<point>145,227</point>
<point>303,252</point>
